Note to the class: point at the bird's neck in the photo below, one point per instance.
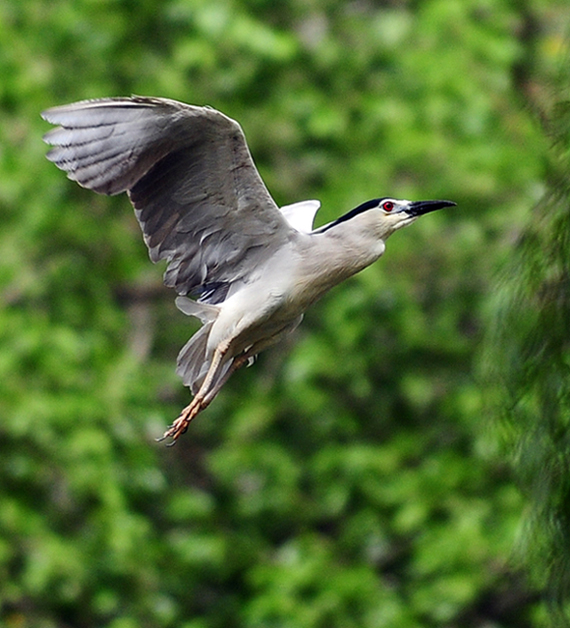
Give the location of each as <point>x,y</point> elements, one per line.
<point>348,251</point>
<point>330,257</point>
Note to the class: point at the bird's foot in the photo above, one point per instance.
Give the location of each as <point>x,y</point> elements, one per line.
<point>180,425</point>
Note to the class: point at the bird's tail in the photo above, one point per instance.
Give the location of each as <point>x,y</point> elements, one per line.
<point>193,360</point>
<point>205,312</point>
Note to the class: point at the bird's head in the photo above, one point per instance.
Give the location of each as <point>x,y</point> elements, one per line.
<point>395,214</point>
<point>385,215</point>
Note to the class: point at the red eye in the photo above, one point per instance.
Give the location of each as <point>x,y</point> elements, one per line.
<point>388,206</point>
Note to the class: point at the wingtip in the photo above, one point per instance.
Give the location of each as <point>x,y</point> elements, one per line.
<point>47,137</point>
<point>47,115</point>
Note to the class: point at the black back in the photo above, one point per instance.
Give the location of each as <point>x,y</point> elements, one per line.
<point>372,204</point>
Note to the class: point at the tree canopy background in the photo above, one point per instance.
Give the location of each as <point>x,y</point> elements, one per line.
<point>375,470</point>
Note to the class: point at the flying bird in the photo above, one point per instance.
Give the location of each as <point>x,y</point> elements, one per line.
<point>246,268</point>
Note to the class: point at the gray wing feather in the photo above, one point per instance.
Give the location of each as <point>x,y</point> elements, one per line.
<point>197,195</point>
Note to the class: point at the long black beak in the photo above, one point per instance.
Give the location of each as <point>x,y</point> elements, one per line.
<point>418,208</point>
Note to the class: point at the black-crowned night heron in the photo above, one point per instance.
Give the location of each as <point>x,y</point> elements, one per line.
<point>253,267</point>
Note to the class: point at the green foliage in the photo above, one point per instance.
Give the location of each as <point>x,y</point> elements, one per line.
<point>347,479</point>
<point>530,372</point>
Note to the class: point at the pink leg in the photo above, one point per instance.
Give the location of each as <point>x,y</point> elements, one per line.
<point>207,391</point>
<point>203,397</point>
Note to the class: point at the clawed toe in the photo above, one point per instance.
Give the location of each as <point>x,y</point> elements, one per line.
<point>180,425</point>
<point>175,432</point>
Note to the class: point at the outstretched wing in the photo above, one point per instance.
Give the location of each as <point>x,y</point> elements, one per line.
<point>197,194</point>
<point>301,215</point>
